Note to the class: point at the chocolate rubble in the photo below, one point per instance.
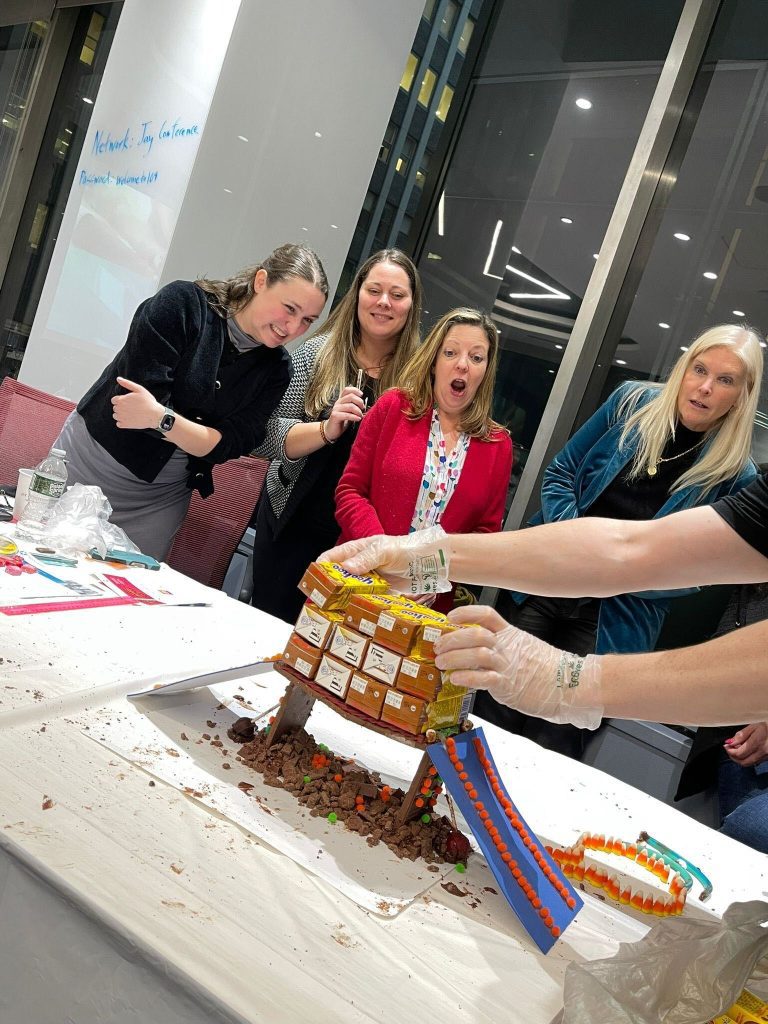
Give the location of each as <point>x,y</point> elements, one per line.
<point>289,761</point>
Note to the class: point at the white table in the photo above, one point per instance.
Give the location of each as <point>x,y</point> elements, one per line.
<point>129,902</point>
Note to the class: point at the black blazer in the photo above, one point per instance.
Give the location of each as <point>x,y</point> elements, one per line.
<point>178,348</point>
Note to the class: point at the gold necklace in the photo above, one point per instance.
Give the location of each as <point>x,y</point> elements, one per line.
<point>652,470</point>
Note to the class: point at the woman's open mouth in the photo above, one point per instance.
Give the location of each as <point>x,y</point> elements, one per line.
<point>458,387</point>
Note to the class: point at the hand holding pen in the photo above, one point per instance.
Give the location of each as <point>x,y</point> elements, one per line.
<point>348,408</point>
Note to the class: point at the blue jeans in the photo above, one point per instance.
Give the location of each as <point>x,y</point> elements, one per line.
<point>744,803</point>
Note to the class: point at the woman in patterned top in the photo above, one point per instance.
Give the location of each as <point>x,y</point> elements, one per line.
<point>429,453</point>
<point>358,353</point>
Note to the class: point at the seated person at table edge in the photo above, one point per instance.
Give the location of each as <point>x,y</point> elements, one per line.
<point>201,370</point>
<point>429,451</point>
<point>721,682</point>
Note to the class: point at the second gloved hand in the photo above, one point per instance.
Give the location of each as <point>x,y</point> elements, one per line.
<point>520,670</point>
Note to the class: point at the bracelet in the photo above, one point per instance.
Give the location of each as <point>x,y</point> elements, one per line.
<point>324,436</point>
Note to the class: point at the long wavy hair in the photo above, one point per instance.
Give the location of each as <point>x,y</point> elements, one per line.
<point>336,365</point>
<point>727,452</point>
<point>231,295</point>
<point>418,376</point>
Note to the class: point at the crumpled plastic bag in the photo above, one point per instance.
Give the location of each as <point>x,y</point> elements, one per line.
<point>79,521</point>
<point>682,972</point>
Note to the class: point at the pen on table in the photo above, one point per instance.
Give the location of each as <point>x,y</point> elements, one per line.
<point>186,604</point>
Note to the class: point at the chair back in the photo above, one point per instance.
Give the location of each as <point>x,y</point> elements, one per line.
<point>213,526</point>
<point>30,421</point>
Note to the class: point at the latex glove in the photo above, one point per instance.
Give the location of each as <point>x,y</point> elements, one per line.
<point>138,410</point>
<point>520,670</point>
<point>749,745</point>
<point>414,564</point>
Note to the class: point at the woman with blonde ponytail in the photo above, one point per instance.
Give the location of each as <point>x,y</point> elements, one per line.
<point>650,450</point>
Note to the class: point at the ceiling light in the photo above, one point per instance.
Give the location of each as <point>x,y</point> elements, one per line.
<point>710,275</point>
<point>335,227</point>
<point>682,237</point>
<point>566,220</point>
<point>441,215</point>
<point>683,348</point>
<point>548,293</point>
<point>738,312</point>
<point>621,362</point>
<point>242,138</point>
<point>86,100</point>
<point>583,104</point>
<point>515,249</point>
<point>491,251</point>
<point>559,346</point>
<point>762,344</point>
<point>595,255</point>
<point>662,324</point>
<point>551,371</point>
<point>318,135</point>
<point>229,190</point>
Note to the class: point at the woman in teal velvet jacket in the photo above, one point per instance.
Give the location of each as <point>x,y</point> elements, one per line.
<point>649,450</point>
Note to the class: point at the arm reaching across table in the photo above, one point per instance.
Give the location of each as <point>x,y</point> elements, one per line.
<point>722,682</point>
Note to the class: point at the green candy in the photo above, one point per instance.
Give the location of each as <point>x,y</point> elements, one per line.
<point>332,817</point>
<point>461,868</point>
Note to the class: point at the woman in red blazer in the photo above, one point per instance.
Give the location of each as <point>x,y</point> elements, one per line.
<point>429,452</point>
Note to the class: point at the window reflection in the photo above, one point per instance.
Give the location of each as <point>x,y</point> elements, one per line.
<point>533,181</point>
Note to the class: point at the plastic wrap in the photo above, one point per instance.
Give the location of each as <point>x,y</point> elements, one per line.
<point>80,521</point>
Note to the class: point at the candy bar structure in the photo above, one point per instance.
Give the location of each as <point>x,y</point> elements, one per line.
<point>369,655</point>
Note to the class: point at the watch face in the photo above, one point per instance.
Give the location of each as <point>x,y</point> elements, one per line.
<point>166,423</point>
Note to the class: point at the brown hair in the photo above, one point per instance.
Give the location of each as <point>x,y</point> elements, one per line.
<point>336,365</point>
<point>287,261</point>
<point>418,375</point>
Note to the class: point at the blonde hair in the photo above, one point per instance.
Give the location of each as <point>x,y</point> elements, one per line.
<point>727,453</point>
<point>234,293</point>
<point>418,375</point>
<point>336,365</point>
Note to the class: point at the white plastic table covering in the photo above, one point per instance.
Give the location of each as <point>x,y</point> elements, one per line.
<point>194,908</point>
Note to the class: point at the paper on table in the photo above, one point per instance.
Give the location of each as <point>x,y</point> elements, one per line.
<point>371,876</point>
<point>207,679</point>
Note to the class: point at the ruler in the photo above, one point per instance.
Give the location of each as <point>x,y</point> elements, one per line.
<point>65,606</point>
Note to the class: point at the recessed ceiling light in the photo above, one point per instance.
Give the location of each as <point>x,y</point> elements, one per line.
<point>683,348</point>
<point>710,275</point>
<point>229,190</point>
<point>595,255</point>
<point>559,346</point>
<point>621,362</point>
<point>551,371</point>
<point>242,138</point>
<point>665,326</point>
<point>682,237</point>
<point>515,249</point>
<point>335,227</point>
<point>583,103</point>
<point>762,344</point>
<point>318,135</point>
<point>86,100</point>
<point>738,312</point>
<point>305,229</point>
<point>566,220</point>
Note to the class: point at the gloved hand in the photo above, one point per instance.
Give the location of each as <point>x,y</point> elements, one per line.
<point>520,670</point>
<point>414,564</point>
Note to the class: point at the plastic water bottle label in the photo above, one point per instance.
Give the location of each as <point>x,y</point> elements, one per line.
<point>46,486</point>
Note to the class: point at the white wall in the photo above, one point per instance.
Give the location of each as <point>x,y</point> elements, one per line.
<point>148,120</point>
<point>309,83</point>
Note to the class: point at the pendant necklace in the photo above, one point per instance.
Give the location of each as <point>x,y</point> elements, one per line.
<point>653,470</point>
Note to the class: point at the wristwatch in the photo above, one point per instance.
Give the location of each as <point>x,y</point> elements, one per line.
<point>167,421</point>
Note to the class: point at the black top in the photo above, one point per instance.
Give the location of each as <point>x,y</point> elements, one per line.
<point>336,456</point>
<point>747,513</point>
<point>178,348</point>
<point>642,497</point>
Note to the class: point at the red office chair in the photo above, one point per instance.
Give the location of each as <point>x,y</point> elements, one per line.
<point>30,421</point>
<point>213,526</point>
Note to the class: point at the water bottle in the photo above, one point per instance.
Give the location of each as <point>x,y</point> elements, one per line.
<point>45,488</point>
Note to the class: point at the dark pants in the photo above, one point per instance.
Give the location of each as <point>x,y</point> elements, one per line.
<point>280,558</point>
<point>567,623</point>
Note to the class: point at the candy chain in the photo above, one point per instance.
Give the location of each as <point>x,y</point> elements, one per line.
<point>493,832</point>
<point>572,861</point>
